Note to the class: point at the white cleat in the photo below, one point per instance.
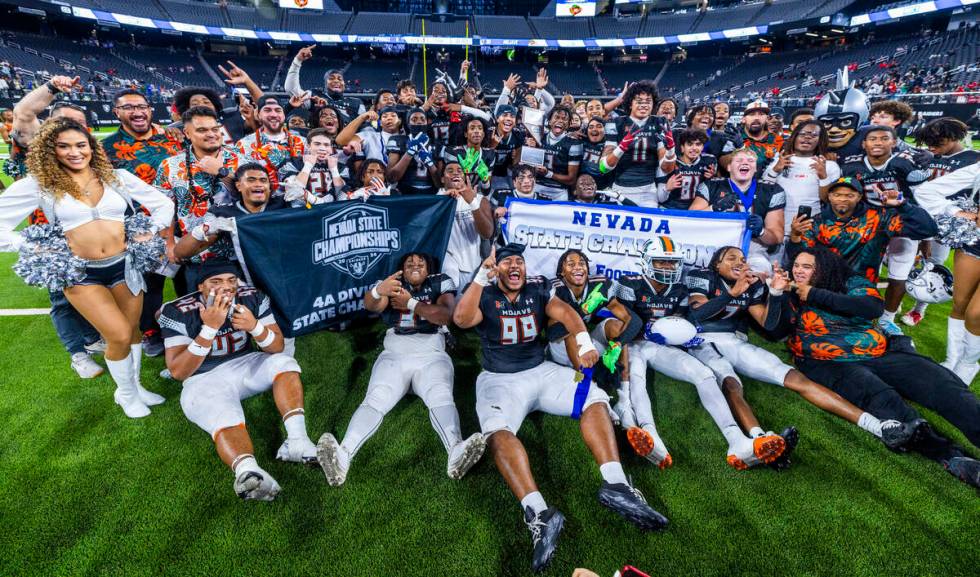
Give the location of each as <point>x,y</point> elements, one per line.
<point>85,367</point>
<point>298,451</point>
<point>256,485</point>
<point>333,459</point>
<point>464,455</point>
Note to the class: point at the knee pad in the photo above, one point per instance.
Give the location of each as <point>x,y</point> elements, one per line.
<point>381,398</point>
<point>438,395</point>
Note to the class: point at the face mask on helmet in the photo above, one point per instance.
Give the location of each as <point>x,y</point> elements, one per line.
<point>657,250</point>
<point>932,283</point>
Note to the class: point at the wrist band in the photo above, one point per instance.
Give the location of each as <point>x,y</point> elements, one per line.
<point>375,293</point>
<point>198,350</point>
<point>584,341</point>
<point>412,303</point>
<point>207,333</point>
<point>257,330</point>
<point>618,152</point>
<point>51,87</point>
<point>482,277</point>
<point>549,174</point>
<point>775,292</point>
<point>334,172</point>
<point>268,340</point>
<point>476,202</point>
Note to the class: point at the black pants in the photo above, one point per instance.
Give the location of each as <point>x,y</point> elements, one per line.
<point>880,386</point>
<point>153,297</point>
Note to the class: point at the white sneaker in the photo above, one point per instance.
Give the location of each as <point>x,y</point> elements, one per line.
<point>256,485</point>
<point>98,346</point>
<point>464,455</point>
<point>624,413</point>
<point>297,451</point>
<point>86,368</point>
<point>333,459</point>
<point>165,374</point>
<point>966,371</point>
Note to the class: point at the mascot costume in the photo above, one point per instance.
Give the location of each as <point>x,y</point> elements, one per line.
<point>843,112</point>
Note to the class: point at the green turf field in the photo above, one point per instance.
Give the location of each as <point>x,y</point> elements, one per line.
<point>86,491</point>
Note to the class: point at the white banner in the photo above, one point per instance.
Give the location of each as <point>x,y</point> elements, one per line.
<point>302,4</point>
<point>575,8</point>
<point>612,236</point>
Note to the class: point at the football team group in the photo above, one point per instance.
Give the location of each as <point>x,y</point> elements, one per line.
<point>832,194</point>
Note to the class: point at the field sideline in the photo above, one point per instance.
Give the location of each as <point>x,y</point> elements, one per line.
<point>86,491</point>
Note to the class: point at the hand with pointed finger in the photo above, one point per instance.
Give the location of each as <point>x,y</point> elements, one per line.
<point>388,286</point>
<point>305,53</point>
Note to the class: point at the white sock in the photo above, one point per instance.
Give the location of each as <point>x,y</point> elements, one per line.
<point>888,316</point>
<point>870,423</point>
<point>971,352</point>
<point>955,341</point>
<point>535,501</point>
<point>296,426</point>
<point>734,435</point>
<point>756,432</point>
<point>612,472</point>
<point>246,463</point>
<point>920,308</point>
<point>363,424</point>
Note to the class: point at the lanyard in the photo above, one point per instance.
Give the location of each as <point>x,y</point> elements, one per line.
<point>748,197</point>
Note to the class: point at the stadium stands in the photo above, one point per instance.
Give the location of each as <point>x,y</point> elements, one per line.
<point>503,27</point>
<point>196,12</point>
<point>319,22</point>
<point>379,23</point>
<point>372,75</point>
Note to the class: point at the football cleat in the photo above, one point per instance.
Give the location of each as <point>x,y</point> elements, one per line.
<point>647,446</point>
<point>792,437</point>
<point>153,343</point>
<point>333,459</point>
<point>298,451</point>
<point>545,529</point>
<point>965,469</point>
<point>630,504</point>
<point>912,318</point>
<point>464,455</point>
<point>752,452</point>
<point>256,485</point>
<point>896,434</point>
<point>85,367</point>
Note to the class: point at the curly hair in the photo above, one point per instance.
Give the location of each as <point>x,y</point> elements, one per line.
<point>789,145</point>
<point>51,175</point>
<point>830,270</point>
<point>898,110</point>
<point>719,255</point>
<point>637,88</point>
<point>941,130</point>
<point>564,257</point>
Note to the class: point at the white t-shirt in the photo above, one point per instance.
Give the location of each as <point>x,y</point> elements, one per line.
<point>464,240</point>
<point>801,184</point>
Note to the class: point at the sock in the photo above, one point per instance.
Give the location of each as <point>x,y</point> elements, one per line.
<point>888,316</point>
<point>971,352</point>
<point>445,421</point>
<point>612,472</point>
<point>534,501</point>
<point>920,308</point>
<point>756,432</point>
<point>870,423</point>
<point>246,463</point>
<point>363,424</point>
<point>136,354</point>
<point>714,402</point>
<point>296,426</point>
<point>734,436</point>
<point>955,341</point>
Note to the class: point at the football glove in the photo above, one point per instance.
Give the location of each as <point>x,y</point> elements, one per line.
<point>595,300</point>
<point>611,356</point>
<point>755,224</point>
<point>627,140</point>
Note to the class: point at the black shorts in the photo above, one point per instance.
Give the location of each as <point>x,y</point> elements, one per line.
<point>107,272</point>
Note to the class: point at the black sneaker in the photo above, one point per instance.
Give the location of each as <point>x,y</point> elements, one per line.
<point>630,504</point>
<point>792,437</point>
<point>545,528</point>
<point>896,435</point>
<point>152,343</point>
<point>965,469</point>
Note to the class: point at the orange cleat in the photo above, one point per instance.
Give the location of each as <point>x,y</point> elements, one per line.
<point>644,444</point>
<point>765,449</point>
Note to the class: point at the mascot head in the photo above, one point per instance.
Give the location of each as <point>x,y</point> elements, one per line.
<point>842,112</point>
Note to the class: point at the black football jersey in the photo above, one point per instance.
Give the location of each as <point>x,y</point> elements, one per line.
<point>943,165</point>
<point>348,106</point>
<point>638,295</point>
<point>320,183</point>
<point>439,124</point>
<point>559,156</point>
<point>735,317</point>
<point>898,173</point>
<point>723,198</point>
<point>693,182</point>
<point>510,332</point>
<point>719,144</point>
<point>504,152</point>
<point>638,166</point>
<point>406,323</point>
<point>456,153</point>
<point>591,155</point>
<point>180,322</point>
<point>416,179</point>
<point>596,295</point>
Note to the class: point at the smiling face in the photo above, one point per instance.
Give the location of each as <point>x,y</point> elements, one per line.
<point>668,110</point>
<point>840,128</point>
<point>335,82</point>
<point>594,108</point>
<point>742,166</point>
<point>407,95</point>
<point>511,272</point>
<point>329,120</point>
<point>732,265</point>
<point>254,188</point>
<point>692,150</point>
<point>843,200</point>
<point>585,188</point>
<point>134,113</point>
<point>878,144</point>
<point>703,119</point>
<point>755,123</point>
<point>559,122</point>
<point>220,284</point>
<point>73,150</point>
<point>642,106</point>
<point>722,113</point>
<point>200,100</point>
<point>439,94</point>
<point>804,268</point>
<point>596,131</point>
<point>272,117</point>
<point>575,270</point>
<point>385,99</point>
<point>415,270</point>
<point>204,133</point>
<point>452,176</point>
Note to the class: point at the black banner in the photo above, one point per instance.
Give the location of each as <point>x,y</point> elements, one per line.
<point>316,264</point>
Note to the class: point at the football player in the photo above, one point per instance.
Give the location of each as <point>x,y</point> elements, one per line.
<point>413,303</point>
<point>510,311</point>
<point>506,140</point>
<point>562,157</point>
<point>637,144</point>
<point>687,183</point>
<point>475,154</point>
<point>879,170</point>
<point>317,180</point>
<point>223,343</point>
<point>657,293</point>
<point>724,298</point>
<point>415,170</point>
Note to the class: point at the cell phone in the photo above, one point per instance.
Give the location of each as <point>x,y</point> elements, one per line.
<point>806,211</point>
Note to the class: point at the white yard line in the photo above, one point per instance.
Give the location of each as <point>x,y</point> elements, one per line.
<point>23,312</point>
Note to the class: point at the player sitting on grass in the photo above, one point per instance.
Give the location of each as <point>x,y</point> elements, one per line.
<point>658,293</point>
<point>724,298</point>
<point>209,338</point>
<point>510,313</point>
<point>414,303</point>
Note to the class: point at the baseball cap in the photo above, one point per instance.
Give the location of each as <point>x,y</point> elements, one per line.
<point>759,105</point>
<point>848,182</point>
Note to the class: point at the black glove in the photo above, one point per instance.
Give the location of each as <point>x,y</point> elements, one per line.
<point>755,224</point>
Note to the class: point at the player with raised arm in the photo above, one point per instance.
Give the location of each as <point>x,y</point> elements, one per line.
<point>414,302</point>
<point>224,344</point>
<point>510,311</point>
